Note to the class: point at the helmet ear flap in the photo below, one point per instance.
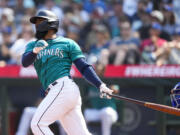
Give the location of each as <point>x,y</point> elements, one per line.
<point>43,26</point>
<point>42,29</point>
<point>54,25</point>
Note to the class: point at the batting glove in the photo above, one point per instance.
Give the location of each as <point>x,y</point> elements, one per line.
<point>40,45</point>
<point>105,91</point>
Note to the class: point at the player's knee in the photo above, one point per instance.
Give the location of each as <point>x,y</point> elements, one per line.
<point>29,110</point>
<point>26,110</point>
<point>106,117</point>
<point>110,114</point>
<point>37,126</point>
<point>106,113</point>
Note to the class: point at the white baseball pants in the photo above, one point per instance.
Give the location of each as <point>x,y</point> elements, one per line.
<point>25,121</point>
<point>63,103</point>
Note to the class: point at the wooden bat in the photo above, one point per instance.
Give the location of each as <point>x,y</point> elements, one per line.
<point>154,106</point>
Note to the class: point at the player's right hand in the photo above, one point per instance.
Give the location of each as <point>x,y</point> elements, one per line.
<point>40,45</point>
<point>105,91</point>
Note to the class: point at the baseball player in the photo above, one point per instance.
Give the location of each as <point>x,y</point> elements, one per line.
<point>52,57</point>
<point>175,96</point>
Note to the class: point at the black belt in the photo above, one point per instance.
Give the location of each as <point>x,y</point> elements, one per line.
<point>53,84</point>
<point>69,77</point>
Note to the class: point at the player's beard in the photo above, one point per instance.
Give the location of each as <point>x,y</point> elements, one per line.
<point>40,35</point>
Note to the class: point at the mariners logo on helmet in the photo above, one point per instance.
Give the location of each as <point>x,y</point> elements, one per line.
<point>175,96</point>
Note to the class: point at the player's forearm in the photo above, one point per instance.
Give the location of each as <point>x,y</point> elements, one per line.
<point>28,58</point>
<point>88,72</point>
<point>92,77</point>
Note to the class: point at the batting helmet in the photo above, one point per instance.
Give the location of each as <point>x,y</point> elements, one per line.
<point>51,21</point>
<point>175,96</point>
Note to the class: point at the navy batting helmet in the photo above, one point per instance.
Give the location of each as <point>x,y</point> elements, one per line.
<point>51,21</point>
<point>175,96</point>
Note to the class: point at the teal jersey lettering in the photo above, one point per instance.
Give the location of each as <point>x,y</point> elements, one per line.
<point>55,60</point>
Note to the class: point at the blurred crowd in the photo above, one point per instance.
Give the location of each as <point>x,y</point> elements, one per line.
<point>108,31</point>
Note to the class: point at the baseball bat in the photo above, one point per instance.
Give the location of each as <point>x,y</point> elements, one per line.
<point>154,106</point>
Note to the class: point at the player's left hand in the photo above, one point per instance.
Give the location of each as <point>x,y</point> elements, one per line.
<point>104,91</point>
<point>41,43</point>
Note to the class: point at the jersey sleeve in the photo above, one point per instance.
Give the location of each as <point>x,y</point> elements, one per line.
<point>30,46</point>
<point>75,51</point>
